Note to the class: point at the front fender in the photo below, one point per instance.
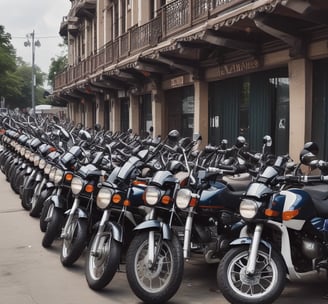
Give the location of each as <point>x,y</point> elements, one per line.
<point>156,224</point>
<point>79,212</point>
<point>116,229</point>
<point>58,201</point>
<point>248,241</point>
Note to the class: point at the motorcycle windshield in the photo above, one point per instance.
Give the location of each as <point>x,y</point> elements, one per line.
<point>128,167</point>
<point>258,190</point>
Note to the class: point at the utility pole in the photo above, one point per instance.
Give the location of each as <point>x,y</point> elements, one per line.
<point>33,44</point>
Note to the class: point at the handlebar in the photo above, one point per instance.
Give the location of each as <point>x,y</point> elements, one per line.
<point>302,178</point>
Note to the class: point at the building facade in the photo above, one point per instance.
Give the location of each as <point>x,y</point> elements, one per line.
<point>221,68</point>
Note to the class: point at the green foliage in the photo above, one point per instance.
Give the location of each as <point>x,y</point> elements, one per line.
<point>16,77</point>
<point>57,66</point>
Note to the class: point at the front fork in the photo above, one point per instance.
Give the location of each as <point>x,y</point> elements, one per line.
<point>187,234</point>
<point>100,232</point>
<point>72,211</point>
<point>253,251</point>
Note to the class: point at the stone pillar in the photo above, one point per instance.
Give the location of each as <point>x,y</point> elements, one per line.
<point>116,114</point>
<point>201,110</point>
<point>134,122</point>
<point>157,108</point>
<point>100,110</point>
<point>300,98</point>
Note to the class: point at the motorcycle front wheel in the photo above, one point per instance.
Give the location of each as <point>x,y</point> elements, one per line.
<point>28,192</point>
<point>54,219</point>
<point>102,262</point>
<point>159,282</point>
<point>74,242</point>
<point>263,287</point>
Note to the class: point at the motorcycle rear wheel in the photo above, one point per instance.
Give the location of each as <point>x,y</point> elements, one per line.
<point>100,268</point>
<point>75,242</point>
<point>159,283</point>
<point>264,287</point>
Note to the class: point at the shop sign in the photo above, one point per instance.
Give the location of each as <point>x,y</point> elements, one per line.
<point>177,82</point>
<point>237,68</point>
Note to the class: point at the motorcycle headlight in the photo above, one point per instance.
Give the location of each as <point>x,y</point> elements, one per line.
<point>36,160</point>
<point>248,209</point>
<point>52,174</point>
<point>76,185</point>
<point>152,195</point>
<point>27,154</point>
<point>104,198</point>
<point>47,169</point>
<point>42,164</point>
<point>183,198</point>
<point>31,158</point>
<point>59,174</point>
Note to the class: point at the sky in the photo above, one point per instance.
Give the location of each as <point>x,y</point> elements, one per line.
<point>21,17</point>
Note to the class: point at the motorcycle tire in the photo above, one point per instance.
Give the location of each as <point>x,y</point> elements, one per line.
<point>26,198</point>
<point>14,181</point>
<point>75,242</point>
<point>12,172</point>
<point>262,288</point>
<point>43,216</point>
<point>160,282</point>
<point>37,201</point>
<point>101,268</point>
<point>7,167</point>
<point>54,225</point>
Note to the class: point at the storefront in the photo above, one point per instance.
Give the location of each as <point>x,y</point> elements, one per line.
<point>320,106</point>
<point>179,110</point>
<point>253,106</point>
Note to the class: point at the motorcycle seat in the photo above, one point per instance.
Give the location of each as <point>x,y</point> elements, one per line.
<point>319,196</point>
<point>237,182</point>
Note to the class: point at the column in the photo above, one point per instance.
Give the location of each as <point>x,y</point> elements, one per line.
<point>134,122</point>
<point>300,98</point>
<point>157,108</point>
<point>201,110</point>
<point>116,114</point>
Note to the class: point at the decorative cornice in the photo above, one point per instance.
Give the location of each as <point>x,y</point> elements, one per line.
<point>266,8</point>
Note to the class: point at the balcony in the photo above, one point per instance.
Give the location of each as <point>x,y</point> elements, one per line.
<point>85,8</point>
<point>187,32</point>
<point>63,27</point>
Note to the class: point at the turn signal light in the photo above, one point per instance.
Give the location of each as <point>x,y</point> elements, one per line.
<point>271,213</point>
<point>89,188</point>
<point>290,214</point>
<point>193,202</point>
<point>138,182</point>
<point>127,203</point>
<point>69,177</point>
<point>166,199</point>
<point>116,198</point>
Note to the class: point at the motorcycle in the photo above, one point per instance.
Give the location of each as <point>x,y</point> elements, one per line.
<point>284,237</point>
<point>80,218</point>
<point>154,260</point>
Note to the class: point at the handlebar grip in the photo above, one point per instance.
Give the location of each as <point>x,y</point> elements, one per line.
<point>214,170</point>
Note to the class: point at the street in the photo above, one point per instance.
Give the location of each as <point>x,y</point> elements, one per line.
<point>30,274</point>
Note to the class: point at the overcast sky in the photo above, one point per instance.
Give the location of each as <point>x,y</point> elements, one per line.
<point>21,17</point>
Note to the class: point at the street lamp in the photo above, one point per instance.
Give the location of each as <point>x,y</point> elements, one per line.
<point>28,43</point>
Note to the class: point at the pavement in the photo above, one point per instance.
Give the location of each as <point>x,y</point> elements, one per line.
<point>30,274</point>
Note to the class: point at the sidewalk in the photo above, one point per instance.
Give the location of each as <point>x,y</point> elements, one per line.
<point>30,274</point>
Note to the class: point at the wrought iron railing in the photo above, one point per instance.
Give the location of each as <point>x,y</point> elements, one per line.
<point>173,18</point>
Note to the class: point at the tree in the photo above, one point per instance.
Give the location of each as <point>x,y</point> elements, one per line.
<point>23,98</point>
<point>9,81</point>
<point>58,64</point>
